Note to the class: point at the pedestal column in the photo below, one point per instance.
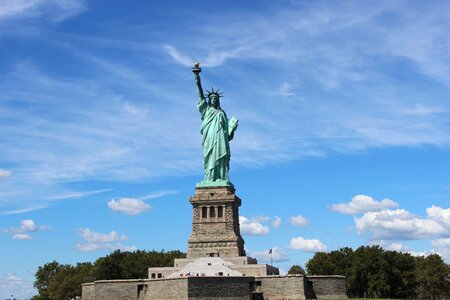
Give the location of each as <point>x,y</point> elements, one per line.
<point>218,235</point>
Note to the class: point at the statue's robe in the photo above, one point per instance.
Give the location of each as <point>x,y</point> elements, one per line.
<point>215,140</point>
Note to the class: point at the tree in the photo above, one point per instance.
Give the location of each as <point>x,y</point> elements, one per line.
<point>341,260</point>
<point>109,267</point>
<point>432,277</point>
<point>336,262</point>
<point>296,269</point>
<point>66,284</point>
<point>401,274</point>
<point>320,264</point>
<point>369,273</point>
<point>43,276</point>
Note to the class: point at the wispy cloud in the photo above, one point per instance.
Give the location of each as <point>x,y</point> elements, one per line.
<point>56,10</point>
<point>5,173</point>
<point>276,222</point>
<point>78,194</point>
<point>307,77</point>
<point>285,89</point>
<point>120,151</point>
<point>159,194</point>
<point>178,57</point>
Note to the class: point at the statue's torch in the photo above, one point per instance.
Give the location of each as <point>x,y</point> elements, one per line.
<point>196,69</point>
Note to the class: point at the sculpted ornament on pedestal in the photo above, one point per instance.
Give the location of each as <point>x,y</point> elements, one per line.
<point>217,131</point>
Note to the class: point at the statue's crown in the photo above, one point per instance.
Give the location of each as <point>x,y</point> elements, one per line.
<point>215,92</point>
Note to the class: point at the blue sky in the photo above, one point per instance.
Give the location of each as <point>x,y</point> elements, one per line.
<point>343,137</point>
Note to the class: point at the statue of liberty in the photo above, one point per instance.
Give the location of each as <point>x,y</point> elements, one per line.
<point>217,130</point>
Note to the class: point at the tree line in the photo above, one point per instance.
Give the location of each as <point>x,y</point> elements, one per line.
<point>55,281</point>
<point>374,272</point>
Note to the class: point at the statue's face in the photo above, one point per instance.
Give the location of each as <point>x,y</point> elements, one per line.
<point>214,99</point>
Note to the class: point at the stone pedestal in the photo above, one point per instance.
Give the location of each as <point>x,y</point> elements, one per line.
<point>215,223</point>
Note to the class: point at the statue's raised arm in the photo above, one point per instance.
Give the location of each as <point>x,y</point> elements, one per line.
<point>196,69</point>
<point>217,131</point>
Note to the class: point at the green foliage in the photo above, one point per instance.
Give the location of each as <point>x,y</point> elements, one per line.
<point>55,281</point>
<point>66,284</point>
<point>335,262</point>
<point>296,269</point>
<point>433,277</point>
<point>376,273</point>
<point>129,265</point>
<point>43,276</point>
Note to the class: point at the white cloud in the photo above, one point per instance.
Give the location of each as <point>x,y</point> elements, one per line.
<point>441,242</point>
<point>23,232</point>
<point>252,227</point>
<point>421,253</point>
<point>99,241</point>
<point>57,10</point>
<point>398,224</point>
<point>89,247</point>
<point>27,225</point>
<point>276,222</point>
<point>96,237</point>
<point>261,219</point>
<point>442,246</point>
<point>21,236</point>
<point>5,173</point>
<point>440,215</point>
<point>128,206</point>
<point>399,247</point>
<point>394,246</point>
<point>361,204</point>
<point>278,255</point>
<point>313,245</point>
<point>298,221</point>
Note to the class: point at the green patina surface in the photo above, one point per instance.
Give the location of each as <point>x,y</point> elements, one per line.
<point>217,131</point>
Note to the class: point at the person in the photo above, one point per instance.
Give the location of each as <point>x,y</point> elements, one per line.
<point>217,131</point>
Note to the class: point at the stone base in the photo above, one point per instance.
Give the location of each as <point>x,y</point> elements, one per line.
<point>297,287</point>
<point>215,223</point>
